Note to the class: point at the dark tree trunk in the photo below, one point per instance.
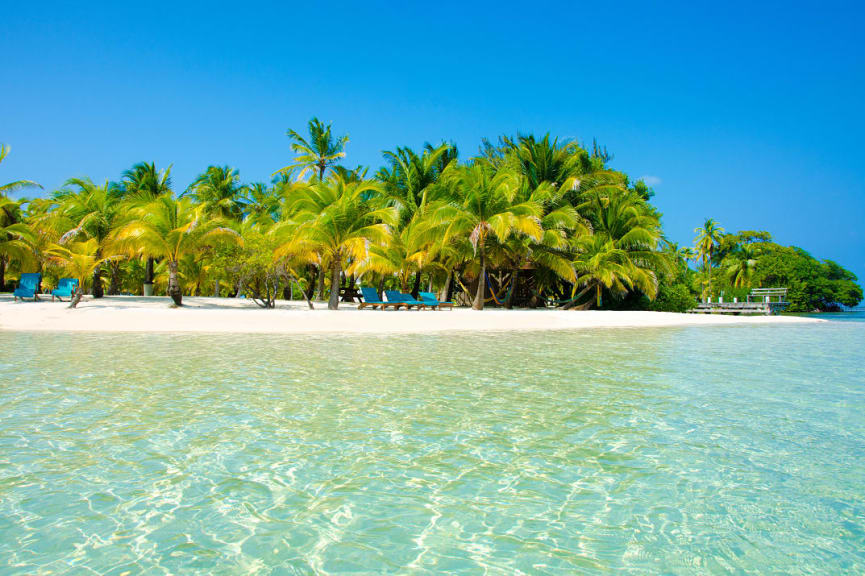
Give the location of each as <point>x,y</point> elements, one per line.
<point>416,288</point>
<point>174,284</point>
<point>380,288</point>
<point>148,271</point>
<point>333,303</point>
<point>2,273</point>
<point>449,286</point>
<point>114,284</point>
<point>478,303</point>
<point>287,292</point>
<point>515,276</point>
<point>97,278</point>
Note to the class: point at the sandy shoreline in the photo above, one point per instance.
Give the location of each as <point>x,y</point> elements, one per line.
<point>226,315</point>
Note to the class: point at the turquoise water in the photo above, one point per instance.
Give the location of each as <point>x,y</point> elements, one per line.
<point>678,451</point>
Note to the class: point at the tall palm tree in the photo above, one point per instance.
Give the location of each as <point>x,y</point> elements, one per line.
<point>142,184</point>
<point>705,242</point>
<point>485,203</point>
<point>321,151</point>
<point>332,221</point>
<point>169,228</point>
<point>16,237</point>
<point>262,203</point>
<point>218,191</point>
<point>93,212</point>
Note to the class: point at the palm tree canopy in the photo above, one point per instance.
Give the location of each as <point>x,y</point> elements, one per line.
<point>321,151</point>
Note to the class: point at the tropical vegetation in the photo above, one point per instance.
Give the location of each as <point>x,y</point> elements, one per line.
<point>526,221</point>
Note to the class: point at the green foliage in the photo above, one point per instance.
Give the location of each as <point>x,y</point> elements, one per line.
<point>674,298</point>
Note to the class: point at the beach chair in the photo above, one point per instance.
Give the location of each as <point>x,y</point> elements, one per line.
<point>371,299</point>
<point>65,289</point>
<point>431,299</point>
<point>408,301</point>
<point>27,286</point>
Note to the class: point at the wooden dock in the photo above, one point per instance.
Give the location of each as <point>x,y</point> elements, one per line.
<point>764,301</point>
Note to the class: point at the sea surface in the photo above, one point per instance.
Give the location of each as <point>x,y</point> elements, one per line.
<point>699,450</point>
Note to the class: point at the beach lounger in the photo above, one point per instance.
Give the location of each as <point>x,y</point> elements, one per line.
<point>408,301</point>
<point>371,299</point>
<point>27,286</point>
<point>65,289</point>
<point>432,300</point>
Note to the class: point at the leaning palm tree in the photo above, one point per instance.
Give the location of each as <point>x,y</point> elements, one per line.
<point>322,151</point>
<point>484,202</point>
<point>92,211</point>
<point>741,266</point>
<point>79,260</point>
<point>5,189</point>
<point>707,239</point>
<point>169,228</point>
<point>332,221</point>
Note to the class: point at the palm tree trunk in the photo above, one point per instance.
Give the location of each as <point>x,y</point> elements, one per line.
<point>216,288</point>
<point>173,284</point>
<point>380,289</point>
<point>336,270</point>
<point>114,285</point>
<point>97,278</point>
<point>148,271</point>
<point>510,298</point>
<point>448,289</point>
<point>416,288</point>
<point>319,288</point>
<point>598,288</point>
<point>76,296</point>
<point>478,303</point>
<point>2,273</point>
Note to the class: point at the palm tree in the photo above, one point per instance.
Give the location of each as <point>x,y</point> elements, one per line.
<point>142,184</point>
<point>93,211</point>
<point>485,203</point>
<point>218,191</point>
<point>261,202</point>
<point>332,221</point>
<point>169,228</point>
<point>80,260</point>
<point>600,266</point>
<point>16,237</point>
<point>320,152</point>
<point>741,265</point>
<point>705,242</point>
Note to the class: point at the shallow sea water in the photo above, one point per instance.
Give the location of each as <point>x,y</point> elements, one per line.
<point>704,450</point>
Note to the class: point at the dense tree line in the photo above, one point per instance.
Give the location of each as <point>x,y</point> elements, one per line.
<point>527,221</point>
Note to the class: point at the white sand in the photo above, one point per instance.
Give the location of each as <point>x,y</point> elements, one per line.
<point>139,314</point>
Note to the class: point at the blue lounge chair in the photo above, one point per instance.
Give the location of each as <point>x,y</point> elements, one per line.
<point>27,286</point>
<point>408,301</point>
<point>65,289</point>
<point>370,298</point>
<point>430,298</point>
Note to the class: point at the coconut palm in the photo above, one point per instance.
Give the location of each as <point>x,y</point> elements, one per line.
<point>484,202</point>
<point>331,221</point>
<point>740,265</point>
<point>600,265</point>
<point>219,192</point>
<point>92,211</point>
<point>705,242</point>
<point>78,260</point>
<point>262,202</point>
<point>16,237</point>
<point>169,228</point>
<point>322,151</point>
<point>142,184</point>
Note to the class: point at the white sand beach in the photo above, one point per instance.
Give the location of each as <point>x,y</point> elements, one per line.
<point>227,315</point>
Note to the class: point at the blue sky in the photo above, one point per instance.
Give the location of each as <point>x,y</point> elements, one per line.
<point>751,113</point>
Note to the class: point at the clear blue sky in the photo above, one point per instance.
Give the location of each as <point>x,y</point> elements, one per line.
<point>752,113</point>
